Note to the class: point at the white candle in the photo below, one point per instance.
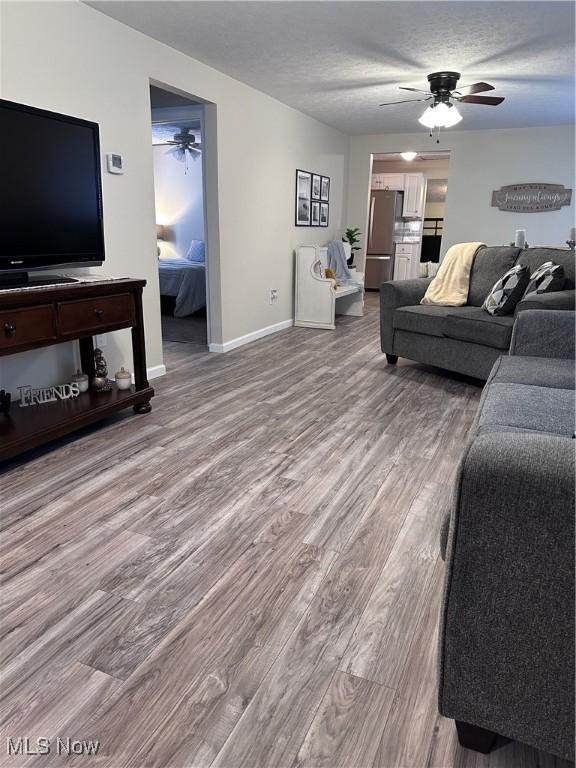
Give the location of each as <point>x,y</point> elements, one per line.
<point>572,233</point>
<point>520,239</point>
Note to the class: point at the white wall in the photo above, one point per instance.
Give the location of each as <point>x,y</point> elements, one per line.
<point>432,169</point>
<point>178,201</point>
<point>70,58</point>
<point>434,210</point>
<point>480,162</point>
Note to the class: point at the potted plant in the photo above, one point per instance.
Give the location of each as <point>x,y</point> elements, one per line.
<point>352,236</point>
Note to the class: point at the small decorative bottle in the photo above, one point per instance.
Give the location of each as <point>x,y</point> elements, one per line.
<point>123,379</point>
<point>81,379</point>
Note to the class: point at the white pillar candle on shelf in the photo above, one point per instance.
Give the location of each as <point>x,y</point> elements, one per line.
<point>520,239</point>
<point>572,237</point>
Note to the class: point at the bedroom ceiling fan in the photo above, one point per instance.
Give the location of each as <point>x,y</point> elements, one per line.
<point>184,145</point>
<point>443,92</point>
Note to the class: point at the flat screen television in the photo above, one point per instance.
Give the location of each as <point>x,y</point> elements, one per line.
<point>50,192</point>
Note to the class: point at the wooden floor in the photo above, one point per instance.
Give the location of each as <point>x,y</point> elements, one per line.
<point>247,576</point>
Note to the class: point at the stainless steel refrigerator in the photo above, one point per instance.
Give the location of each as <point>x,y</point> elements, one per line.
<point>384,225</point>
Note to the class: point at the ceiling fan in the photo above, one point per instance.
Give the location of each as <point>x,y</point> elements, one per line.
<point>184,142</point>
<point>442,112</point>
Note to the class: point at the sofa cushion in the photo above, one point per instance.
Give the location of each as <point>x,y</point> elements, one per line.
<point>537,371</point>
<point>427,319</point>
<point>527,408</point>
<point>474,325</point>
<point>489,265</point>
<point>535,257</point>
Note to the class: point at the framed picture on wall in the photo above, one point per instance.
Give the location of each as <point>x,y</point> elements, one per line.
<point>303,198</point>
<point>324,214</point>
<point>325,188</point>
<point>315,213</point>
<point>316,186</point>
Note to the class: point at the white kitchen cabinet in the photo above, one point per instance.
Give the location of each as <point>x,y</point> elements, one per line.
<point>406,261</point>
<point>402,267</point>
<point>414,195</point>
<point>393,181</point>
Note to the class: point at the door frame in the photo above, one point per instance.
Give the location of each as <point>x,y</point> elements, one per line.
<point>210,202</point>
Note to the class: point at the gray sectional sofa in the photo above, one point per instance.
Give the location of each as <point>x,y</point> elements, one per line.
<point>464,339</point>
<point>506,660</point>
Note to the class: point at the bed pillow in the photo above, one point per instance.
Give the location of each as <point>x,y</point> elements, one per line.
<point>547,278</point>
<point>196,251</point>
<point>507,291</point>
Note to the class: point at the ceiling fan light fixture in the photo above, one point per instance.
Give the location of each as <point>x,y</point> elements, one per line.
<point>428,118</point>
<point>409,156</point>
<point>441,115</point>
<point>450,115</point>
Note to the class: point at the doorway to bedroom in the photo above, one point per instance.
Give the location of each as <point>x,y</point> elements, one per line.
<point>177,144</point>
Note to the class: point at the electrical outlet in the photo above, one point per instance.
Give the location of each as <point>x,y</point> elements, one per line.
<point>273,295</point>
<point>100,340</point>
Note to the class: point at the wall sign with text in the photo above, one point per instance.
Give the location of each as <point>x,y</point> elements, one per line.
<point>531,198</point>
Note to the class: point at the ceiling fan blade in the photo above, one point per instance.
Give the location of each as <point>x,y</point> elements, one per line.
<point>405,101</point>
<point>416,90</point>
<point>468,90</point>
<point>492,100</point>
<point>177,152</point>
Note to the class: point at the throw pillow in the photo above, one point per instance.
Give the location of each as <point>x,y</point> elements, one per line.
<point>196,251</point>
<point>507,291</point>
<point>547,278</point>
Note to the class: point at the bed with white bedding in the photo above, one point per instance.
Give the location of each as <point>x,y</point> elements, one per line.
<point>186,281</point>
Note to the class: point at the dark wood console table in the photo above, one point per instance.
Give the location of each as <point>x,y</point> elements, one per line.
<point>38,317</point>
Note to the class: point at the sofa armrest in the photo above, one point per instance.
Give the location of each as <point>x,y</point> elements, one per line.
<point>507,635</point>
<point>554,300</point>
<point>543,333</point>
<point>393,294</point>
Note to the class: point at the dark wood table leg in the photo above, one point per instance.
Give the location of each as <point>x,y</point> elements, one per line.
<point>139,353</point>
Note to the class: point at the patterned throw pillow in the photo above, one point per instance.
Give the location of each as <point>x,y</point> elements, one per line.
<point>507,291</point>
<point>547,278</point>
<point>196,252</point>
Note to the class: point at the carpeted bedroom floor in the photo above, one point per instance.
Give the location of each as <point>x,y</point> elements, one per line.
<point>186,330</point>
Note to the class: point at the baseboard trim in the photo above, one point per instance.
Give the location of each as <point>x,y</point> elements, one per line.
<point>156,371</point>
<point>228,346</point>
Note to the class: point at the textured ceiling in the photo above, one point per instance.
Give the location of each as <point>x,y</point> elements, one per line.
<point>396,157</point>
<point>164,132</point>
<point>161,98</point>
<point>337,61</point>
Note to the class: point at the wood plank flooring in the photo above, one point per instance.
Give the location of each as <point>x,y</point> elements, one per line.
<point>247,577</point>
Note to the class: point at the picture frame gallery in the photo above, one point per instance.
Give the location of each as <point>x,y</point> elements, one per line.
<point>312,204</point>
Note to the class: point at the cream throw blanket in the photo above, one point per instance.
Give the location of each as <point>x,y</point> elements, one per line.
<point>450,286</point>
